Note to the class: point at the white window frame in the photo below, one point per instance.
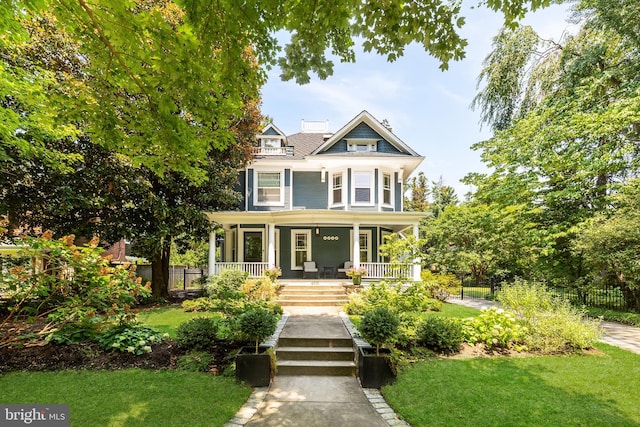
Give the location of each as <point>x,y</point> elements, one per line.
<point>241,242</point>
<point>368,233</point>
<point>362,144</point>
<point>332,201</point>
<point>256,195</point>
<point>382,189</point>
<point>372,187</point>
<point>294,234</point>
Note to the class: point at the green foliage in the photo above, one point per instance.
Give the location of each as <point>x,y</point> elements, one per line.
<point>261,289</point>
<point>200,304</point>
<point>272,273</point>
<point>257,324</point>
<point>70,284</point>
<point>440,334</point>
<point>379,326</point>
<point>626,318</point>
<point>131,338</point>
<point>441,285</point>
<point>495,328</point>
<point>227,285</point>
<point>195,361</point>
<point>198,333</point>
<point>415,297</point>
<point>553,324</point>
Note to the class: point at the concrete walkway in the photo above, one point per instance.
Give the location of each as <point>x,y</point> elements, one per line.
<point>315,401</point>
<point>617,334</point>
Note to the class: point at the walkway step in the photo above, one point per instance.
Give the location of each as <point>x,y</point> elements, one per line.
<point>311,303</point>
<point>315,342</point>
<point>316,367</point>
<point>316,353</point>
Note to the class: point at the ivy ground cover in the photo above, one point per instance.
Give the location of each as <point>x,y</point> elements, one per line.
<point>595,390</point>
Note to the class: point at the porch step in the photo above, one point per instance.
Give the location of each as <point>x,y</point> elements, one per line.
<point>332,356</point>
<point>312,296</point>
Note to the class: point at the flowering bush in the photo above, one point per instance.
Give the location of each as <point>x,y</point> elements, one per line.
<point>495,328</point>
<point>356,272</point>
<point>272,273</point>
<point>130,338</point>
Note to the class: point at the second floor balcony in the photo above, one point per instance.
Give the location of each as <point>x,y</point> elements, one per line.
<point>273,151</point>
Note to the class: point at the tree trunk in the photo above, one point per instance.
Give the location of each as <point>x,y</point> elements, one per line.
<point>631,297</point>
<point>160,270</point>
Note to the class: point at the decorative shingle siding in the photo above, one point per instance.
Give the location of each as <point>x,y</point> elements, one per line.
<point>271,131</point>
<point>385,147</point>
<point>308,191</point>
<point>363,131</point>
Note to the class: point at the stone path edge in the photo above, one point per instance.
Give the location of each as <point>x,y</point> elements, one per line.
<point>373,394</point>
<point>250,407</point>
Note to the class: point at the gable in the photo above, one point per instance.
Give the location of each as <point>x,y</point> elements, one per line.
<point>365,134</point>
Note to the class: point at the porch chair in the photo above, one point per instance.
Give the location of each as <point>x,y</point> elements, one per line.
<point>310,268</point>
<point>342,271</point>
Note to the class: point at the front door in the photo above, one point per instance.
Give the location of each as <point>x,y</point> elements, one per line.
<point>252,246</point>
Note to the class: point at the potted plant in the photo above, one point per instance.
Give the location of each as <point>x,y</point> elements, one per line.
<point>379,326</point>
<point>254,366</point>
<point>356,274</point>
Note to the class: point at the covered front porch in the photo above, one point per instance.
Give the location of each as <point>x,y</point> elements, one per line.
<point>255,241</point>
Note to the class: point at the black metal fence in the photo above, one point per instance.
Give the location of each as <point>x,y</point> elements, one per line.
<point>606,296</point>
<point>180,277</point>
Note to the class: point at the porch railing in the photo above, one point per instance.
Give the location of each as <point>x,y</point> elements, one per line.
<point>254,269</point>
<point>381,270</point>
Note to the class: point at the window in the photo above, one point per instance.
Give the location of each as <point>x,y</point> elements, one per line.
<point>337,189</point>
<point>271,142</point>
<point>301,248</point>
<point>364,243</point>
<point>269,188</point>
<point>386,189</point>
<point>361,144</point>
<point>362,184</point>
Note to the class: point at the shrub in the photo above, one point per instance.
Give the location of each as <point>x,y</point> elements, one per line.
<point>227,285</point>
<point>495,328</point>
<point>197,334</point>
<point>440,286</point>
<point>417,297</point>
<point>379,326</point>
<point>272,273</point>
<point>414,298</point>
<point>77,286</point>
<point>259,289</point>
<point>195,361</point>
<point>200,304</point>
<point>554,325</point>
<point>257,324</point>
<point>131,338</point>
<point>440,334</point>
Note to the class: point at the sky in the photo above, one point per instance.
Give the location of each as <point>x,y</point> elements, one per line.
<point>427,108</point>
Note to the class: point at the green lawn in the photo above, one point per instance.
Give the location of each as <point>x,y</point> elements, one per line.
<point>130,397</point>
<point>521,391</point>
<point>455,310</point>
<point>167,319</point>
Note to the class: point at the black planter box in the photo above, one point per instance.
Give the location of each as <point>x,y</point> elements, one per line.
<point>375,371</point>
<point>253,369</point>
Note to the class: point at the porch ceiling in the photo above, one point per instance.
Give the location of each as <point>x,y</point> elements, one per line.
<point>397,221</point>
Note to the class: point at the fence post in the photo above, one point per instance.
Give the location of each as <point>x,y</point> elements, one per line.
<point>184,279</point>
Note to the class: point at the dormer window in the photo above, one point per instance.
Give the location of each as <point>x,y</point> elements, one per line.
<point>360,144</point>
<point>271,142</point>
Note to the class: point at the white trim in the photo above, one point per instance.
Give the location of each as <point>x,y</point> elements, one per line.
<point>256,173</point>
<point>343,188</point>
<point>369,234</point>
<point>381,174</point>
<point>241,242</point>
<point>294,232</point>
<point>370,144</point>
<point>372,187</point>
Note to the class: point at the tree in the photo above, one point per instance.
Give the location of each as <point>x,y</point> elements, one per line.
<point>419,193</point>
<point>162,80</point>
<point>610,244</point>
<point>443,196</point>
<point>565,119</point>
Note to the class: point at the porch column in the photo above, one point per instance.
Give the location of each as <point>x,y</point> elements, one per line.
<point>417,261</point>
<point>271,248</point>
<point>356,245</point>
<point>212,253</point>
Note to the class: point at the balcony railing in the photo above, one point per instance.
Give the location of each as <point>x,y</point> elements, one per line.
<point>273,151</point>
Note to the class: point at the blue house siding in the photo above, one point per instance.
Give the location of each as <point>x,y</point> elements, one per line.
<point>240,188</point>
<point>308,190</point>
<point>251,197</point>
<point>338,147</point>
<point>386,147</point>
<point>363,131</point>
